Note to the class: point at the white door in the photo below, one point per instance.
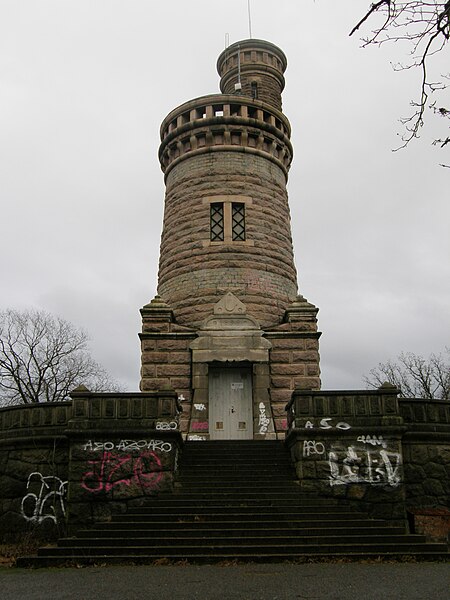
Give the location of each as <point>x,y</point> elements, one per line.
<point>230,403</point>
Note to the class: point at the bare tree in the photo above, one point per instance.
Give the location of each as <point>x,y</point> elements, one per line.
<point>415,376</point>
<point>425,27</point>
<point>43,358</point>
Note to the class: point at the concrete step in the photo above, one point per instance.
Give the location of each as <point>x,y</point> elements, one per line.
<point>232,511</point>
<point>288,540</point>
<point>184,502</point>
<point>239,520</point>
<point>225,558</point>
<point>247,495</point>
<point>237,550</point>
<point>224,530</point>
<point>236,501</point>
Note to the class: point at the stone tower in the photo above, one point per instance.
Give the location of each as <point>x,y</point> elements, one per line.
<point>227,330</point>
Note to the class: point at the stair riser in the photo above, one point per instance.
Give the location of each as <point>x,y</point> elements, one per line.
<point>237,500</point>
<point>204,559</point>
<point>235,509</point>
<point>240,549</point>
<point>281,540</point>
<point>227,503</point>
<point>228,532</point>
<point>241,521</point>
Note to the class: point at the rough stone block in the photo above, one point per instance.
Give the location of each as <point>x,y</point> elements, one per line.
<point>179,358</point>
<point>277,356</point>
<point>171,344</point>
<point>280,395</point>
<point>148,370</point>
<point>283,369</point>
<point>172,370</point>
<point>180,383</point>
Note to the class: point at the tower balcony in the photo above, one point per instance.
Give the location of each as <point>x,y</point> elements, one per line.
<point>225,123</point>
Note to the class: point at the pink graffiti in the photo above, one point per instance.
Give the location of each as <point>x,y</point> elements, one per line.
<point>200,426</point>
<point>284,424</point>
<point>145,469</point>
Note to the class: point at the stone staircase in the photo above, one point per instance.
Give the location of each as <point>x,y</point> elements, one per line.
<point>236,500</point>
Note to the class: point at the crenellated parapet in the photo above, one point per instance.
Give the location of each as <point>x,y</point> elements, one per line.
<point>218,123</point>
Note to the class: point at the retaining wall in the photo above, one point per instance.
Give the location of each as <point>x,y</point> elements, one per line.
<point>383,454</point>
<point>84,460</point>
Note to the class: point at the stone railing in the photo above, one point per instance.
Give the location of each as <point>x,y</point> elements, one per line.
<point>147,410</point>
<point>430,415</point>
<point>34,420</point>
<point>223,122</point>
<point>361,407</point>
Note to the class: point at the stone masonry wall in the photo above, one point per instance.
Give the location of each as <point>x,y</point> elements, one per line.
<point>165,356</point>
<point>426,455</point>
<point>385,455</point>
<point>347,445</point>
<point>294,364</point>
<point>195,273</point>
<point>69,464</point>
<point>34,468</point>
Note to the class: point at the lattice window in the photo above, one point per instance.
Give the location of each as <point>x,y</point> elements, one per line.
<point>217,223</point>
<point>238,222</point>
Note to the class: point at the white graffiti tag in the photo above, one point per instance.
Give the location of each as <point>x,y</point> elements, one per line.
<point>48,502</point>
<point>166,425</point>
<point>374,440</point>
<point>325,424</point>
<point>199,406</point>
<point>128,445</point>
<point>312,447</point>
<point>196,438</point>
<point>375,467</point>
<point>263,421</point>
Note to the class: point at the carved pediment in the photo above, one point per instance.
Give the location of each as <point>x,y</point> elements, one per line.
<point>230,334</point>
<point>230,314</point>
<point>230,305</point>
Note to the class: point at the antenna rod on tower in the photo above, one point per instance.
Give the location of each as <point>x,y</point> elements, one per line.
<point>239,64</point>
<point>249,19</point>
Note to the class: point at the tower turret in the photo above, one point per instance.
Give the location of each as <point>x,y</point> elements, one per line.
<point>227,283</point>
<point>253,68</point>
<point>226,222</point>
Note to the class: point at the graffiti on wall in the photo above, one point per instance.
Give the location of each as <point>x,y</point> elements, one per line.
<point>375,467</point>
<point>45,498</point>
<point>113,469</point>
<point>311,447</point>
<point>263,420</point>
<point>200,426</point>
<point>327,423</point>
<point>124,464</point>
<point>166,425</point>
<point>128,445</point>
<point>365,460</point>
<point>373,440</point>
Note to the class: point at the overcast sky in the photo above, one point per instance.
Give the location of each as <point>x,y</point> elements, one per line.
<point>84,86</point>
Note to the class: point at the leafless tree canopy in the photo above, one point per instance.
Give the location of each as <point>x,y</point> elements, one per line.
<point>425,26</point>
<point>43,358</point>
<point>415,376</point>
